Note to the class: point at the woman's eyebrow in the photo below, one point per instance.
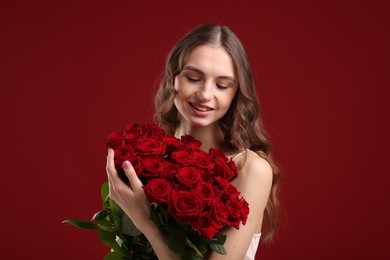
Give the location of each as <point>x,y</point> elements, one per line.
<point>201,72</point>
<point>193,69</point>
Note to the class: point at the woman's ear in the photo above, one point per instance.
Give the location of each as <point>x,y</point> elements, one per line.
<point>175,83</point>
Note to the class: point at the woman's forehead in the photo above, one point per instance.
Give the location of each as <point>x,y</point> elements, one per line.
<point>210,59</point>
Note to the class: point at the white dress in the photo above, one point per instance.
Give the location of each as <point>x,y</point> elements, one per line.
<point>252,249</point>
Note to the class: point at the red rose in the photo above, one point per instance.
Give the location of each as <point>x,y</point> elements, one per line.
<point>184,206</point>
<point>182,187</point>
<point>137,163</point>
<point>122,153</point>
<point>223,170</point>
<point>188,176</point>
<point>131,138</point>
<point>206,175</point>
<point>170,170</point>
<point>173,143</point>
<point>219,213</point>
<point>132,128</point>
<point>152,168</point>
<point>228,189</point>
<point>202,160</point>
<point>115,139</point>
<point>245,210</point>
<point>152,131</point>
<point>135,141</point>
<point>191,141</point>
<point>158,190</point>
<point>205,192</point>
<point>233,167</point>
<point>182,157</point>
<point>215,153</point>
<point>151,147</point>
<point>236,211</point>
<point>205,226</point>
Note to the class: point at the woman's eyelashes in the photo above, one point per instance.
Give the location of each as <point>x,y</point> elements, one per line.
<point>196,80</point>
<point>192,79</point>
<point>222,86</point>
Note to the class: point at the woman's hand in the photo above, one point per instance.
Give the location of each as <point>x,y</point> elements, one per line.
<point>131,198</point>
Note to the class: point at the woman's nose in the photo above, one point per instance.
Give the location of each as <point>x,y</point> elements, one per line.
<point>206,92</point>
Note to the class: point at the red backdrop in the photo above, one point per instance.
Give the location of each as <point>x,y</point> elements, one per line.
<point>72,72</point>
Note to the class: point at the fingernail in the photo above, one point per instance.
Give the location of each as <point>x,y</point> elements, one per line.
<point>126,165</point>
<point>109,150</point>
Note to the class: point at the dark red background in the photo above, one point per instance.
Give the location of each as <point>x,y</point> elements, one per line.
<point>72,72</point>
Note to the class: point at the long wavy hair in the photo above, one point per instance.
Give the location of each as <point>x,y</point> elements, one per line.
<point>241,124</point>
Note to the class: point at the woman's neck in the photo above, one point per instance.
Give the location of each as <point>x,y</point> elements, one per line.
<point>210,136</point>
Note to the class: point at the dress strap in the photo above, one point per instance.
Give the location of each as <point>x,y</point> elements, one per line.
<point>239,154</point>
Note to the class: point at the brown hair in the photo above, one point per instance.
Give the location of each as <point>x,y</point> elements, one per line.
<point>241,124</point>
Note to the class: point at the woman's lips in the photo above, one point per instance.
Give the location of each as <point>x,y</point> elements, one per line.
<point>200,107</point>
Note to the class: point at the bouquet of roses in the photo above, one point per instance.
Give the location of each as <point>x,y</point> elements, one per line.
<point>189,190</point>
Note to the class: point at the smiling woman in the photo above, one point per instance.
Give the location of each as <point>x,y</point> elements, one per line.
<point>208,92</point>
<point>205,88</point>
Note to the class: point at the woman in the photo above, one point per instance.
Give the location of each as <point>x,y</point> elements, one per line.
<point>208,92</point>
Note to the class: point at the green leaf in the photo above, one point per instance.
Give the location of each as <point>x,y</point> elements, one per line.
<point>219,239</point>
<point>109,239</point>
<point>220,249</point>
<point>107,236</point>
<point>200,242</point>
<point>153,216</point>
<point>177,241</point>
<point>117,214</point>
<point>101,214</point>
<point>164,216</point>
<point>128,227</point>
<point>122,243</point>
<point>183,226</point>
<point>102,218</point>
<point>112,256</point>
<point>105,225</point>
<point>106,203</point>
<point>116,210</point>
<point>189,255</point>
<point>197,252</point>
<point>104,191</point>
<point>82,224</point>
<point>168,229</point>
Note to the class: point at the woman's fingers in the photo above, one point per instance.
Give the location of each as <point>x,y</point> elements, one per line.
<point>112,174</point>
<point>135,182</point>
<point>115,181</point>
<point>111,192</point>
<point>110,166</point>
<point>113,177</point>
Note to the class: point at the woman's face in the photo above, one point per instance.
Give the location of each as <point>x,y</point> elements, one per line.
<point>206,86</point>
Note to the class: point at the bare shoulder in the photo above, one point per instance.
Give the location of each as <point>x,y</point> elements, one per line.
<point>254,176</point>
<point>253,167</point>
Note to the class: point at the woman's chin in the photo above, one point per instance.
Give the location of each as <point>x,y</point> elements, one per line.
<point>200,123</point>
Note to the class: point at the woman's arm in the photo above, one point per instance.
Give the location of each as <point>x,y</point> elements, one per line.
<point>254,182</point>
<point>133,201</point>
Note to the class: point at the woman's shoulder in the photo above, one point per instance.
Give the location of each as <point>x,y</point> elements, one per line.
<point>252,164</point>
<point>254,178</point>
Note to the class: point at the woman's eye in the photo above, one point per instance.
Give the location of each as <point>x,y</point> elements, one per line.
<point>192,79</point>
<point>222,86</point>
